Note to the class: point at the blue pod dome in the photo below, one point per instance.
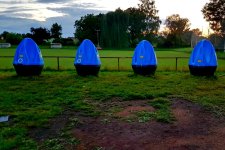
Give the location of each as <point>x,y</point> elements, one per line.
<point>28,59</point>
<point>203,60</point>
<point>28,53</point>
<point>87,61</point>
<point>144,60</point>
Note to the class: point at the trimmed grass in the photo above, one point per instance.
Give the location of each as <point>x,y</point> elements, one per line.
<point>32,101</point>
<point>110,63</point>
<point>163,111</point>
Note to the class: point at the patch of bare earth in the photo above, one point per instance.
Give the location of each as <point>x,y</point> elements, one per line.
<point>194,128</point>
<point>53,128</point>
<point>131,110</point>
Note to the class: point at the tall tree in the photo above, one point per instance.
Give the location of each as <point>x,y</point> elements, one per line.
<point>4,34</point>
<point>151,15</point>
<point>114,29</point>
<point>56,31</point>
<point>214,13</point>
<point>217,41</point>
<point>197,32</point>
<point>13,38</point>
<point>176,27</point>
<point>135,30</point>
<point>120,29</point>
<point>40,34</point>
<point>87,27</point>
<point>196,36</point>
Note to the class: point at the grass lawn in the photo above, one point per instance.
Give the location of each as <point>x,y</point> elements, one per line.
<point>32,101</point>
<point>110,63</point>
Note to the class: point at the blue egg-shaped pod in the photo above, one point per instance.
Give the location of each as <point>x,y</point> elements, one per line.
<point>144,61</point>
<point>203,60</point>
<point>28,60</point>
<point>87,61</point>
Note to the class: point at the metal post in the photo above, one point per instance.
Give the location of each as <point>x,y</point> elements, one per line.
<point>176,62</point>
<point>118,63</point>
<point>224,42</point>
<point>98,38</point>
<point>58,62</point>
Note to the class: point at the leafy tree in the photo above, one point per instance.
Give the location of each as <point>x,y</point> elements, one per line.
<point>214,13</point>
<point>28,35</point>
<point>217,40</point>
<point>196,36</point>
<point>120,29</point>
<point>86,27</point>
<point>176,27</point>
<point>4,34</point>
<point>40,34</point>
<point>56,31</point>
<point>67,41</point>
<point>151,18</point>
<point>13,38</point>
<point>114,29</point>
<point>136,25</point>
<point>197,32</point>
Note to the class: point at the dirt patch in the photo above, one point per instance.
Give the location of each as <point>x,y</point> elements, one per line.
<point>194,128</point>
<point>131,110</point>
<point>116,102</point>
<point>53,128</point>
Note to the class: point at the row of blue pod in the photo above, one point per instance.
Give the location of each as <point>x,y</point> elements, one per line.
<point>202,62</point>
<point>28,59</point>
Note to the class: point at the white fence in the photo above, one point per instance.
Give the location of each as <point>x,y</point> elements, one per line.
<point>5,45</point>
<point>56,45</point>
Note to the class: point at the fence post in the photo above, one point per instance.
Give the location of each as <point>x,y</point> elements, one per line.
<point>176,62</point>
<point>58,62</point>
<point>118,63</point>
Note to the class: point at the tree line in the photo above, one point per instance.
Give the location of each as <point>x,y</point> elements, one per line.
<point>41,35</point>
<point>120,28</point>
<point>125,28</point>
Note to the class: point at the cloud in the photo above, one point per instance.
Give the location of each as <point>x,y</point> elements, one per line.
<point>20,17</point>
<point>38,12</point>
<point>13,10</point>
<point>17,25</point>
<point>53,1</point>
<point>73,13</point>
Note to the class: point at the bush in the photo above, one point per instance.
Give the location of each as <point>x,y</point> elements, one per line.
<point>14,38</point>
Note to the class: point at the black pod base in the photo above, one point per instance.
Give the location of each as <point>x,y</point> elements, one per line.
<point>202,70</point>
<point>144,70</point>
<point>28,70</point>
<point>85,70</point>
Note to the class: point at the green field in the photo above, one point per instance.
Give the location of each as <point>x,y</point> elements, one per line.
<point>110,63</point>
<point>32,101</point>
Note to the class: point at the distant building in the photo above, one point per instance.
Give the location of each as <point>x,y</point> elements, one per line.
<point>56,45</point>
<point>5,45</point>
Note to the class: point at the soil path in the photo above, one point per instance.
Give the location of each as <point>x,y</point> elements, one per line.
<point>194,128</point>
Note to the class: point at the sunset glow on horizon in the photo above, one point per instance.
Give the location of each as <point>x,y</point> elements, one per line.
<point>41,11</point>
